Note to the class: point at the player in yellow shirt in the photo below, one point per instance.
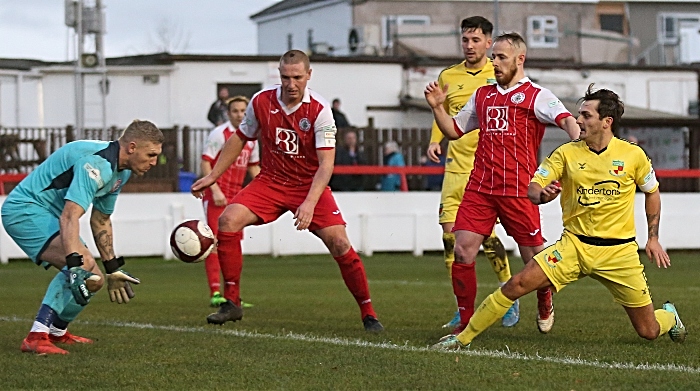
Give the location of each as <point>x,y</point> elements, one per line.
<point>463,79</point>
<point>599,175</point>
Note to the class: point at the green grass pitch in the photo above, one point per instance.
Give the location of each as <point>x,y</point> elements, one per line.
<point>305,332</point>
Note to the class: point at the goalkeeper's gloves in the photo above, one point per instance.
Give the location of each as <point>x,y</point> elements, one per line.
<point>119,281</point>
<point>77,277</point>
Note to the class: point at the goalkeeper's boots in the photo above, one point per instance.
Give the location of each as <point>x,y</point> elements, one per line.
<point>545,312</point>
<point>216,299</point>
<point>68,339</point>
<point>39,343</point>
<point>454,322</point>
<point>372,324</point>
<point>512,317</point>
<point>449,342</point>
<point>678,331</point>
<point>227,312</point>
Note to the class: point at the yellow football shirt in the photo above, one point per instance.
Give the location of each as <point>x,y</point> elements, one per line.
<point>462,84</point>
<point>597,189</point>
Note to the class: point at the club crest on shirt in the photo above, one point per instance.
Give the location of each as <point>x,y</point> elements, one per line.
<point>618,168</point>
<point>553,259</point>
<point>518,98</point>
<point>116,186</point>
<point>304,124</point>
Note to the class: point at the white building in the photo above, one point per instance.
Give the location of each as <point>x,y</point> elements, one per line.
<point>178,89</point>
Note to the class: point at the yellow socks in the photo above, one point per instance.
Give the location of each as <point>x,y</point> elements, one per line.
<point>665,319</point>
<point>448,241</point>
<point>496,254</point>
<point>491,309</point>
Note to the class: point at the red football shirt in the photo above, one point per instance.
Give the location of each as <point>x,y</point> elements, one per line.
<point>231,180</point>
<point>512,124</point>
<point>289,137</point>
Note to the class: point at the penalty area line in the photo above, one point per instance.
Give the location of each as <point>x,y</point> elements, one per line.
<point>291,336</point>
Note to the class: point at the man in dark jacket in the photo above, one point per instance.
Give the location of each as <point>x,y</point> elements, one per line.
<point>348,155</point>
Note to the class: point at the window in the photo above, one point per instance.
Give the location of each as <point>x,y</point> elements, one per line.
<point>612,22</point>
<point>542,32</point>
<point>668,26</point>
<point>390,22</point>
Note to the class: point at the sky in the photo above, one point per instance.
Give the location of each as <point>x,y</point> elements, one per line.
<point>35,29</point>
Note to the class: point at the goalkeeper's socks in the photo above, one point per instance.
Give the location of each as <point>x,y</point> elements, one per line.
<point>212,268</point>
<point>231,263</point>
<point>464,286</point>
<point>353,272</point>
<point>58,327</point>
<point>44,319</point>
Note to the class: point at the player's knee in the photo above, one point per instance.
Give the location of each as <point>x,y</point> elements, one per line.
<point>462,255</point>
<point>515,287</point>
<point>338,245</point>
<point>227,222</point>
<point>648,332</point>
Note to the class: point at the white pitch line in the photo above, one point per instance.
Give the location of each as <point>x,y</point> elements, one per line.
<point>290,336</point>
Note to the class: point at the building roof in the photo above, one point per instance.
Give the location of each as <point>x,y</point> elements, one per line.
<point>20,64</point>
<point>283,6</point>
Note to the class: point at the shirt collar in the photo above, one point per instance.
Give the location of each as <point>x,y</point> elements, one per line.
<point>518,84</point>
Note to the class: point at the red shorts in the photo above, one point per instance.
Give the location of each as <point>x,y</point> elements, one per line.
<point>212,212</point>
<point>520,217</point>
<point>269,201</point>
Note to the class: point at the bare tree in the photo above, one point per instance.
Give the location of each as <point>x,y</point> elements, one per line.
<point>170,37</point>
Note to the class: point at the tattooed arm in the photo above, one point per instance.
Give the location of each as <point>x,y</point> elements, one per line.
<point>101,225</point>
<point>652,205</point>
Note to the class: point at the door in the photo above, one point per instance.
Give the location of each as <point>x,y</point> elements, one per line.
<point>689,33</point>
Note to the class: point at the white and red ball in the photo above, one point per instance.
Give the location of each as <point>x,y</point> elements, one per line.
<point>192,241</point>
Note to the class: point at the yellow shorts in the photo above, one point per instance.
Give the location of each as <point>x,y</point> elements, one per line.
<point>616,267</point>
<point>453,186</point>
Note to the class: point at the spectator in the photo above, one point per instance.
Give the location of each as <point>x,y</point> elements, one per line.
<point>340,119</point>
<point>348,155</point>
<point>218,112</point>
<point>392,157</point>
<point>433,182</point>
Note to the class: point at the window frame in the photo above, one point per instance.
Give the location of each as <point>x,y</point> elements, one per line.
<point>662,32</point>
<point>539,40</point>
<point>389,21</point>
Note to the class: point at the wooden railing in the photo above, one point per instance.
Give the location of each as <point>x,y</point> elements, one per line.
<point>24,148</point>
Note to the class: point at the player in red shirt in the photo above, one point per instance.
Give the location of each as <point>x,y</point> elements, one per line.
<point>512,116</point>
<point>222,192</point>
<point>297,135</point>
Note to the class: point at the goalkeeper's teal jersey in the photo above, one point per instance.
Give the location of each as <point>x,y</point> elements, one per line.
<point>85,172</point>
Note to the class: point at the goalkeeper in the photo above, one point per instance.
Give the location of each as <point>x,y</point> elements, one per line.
<point>42,216</point>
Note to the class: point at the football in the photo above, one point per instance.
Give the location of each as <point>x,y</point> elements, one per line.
<point>192,241</point>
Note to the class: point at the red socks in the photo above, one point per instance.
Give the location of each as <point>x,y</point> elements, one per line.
<point>464,286</point>
<point>231,262</point>
<point>211,265</point>
<point>353,273</point>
